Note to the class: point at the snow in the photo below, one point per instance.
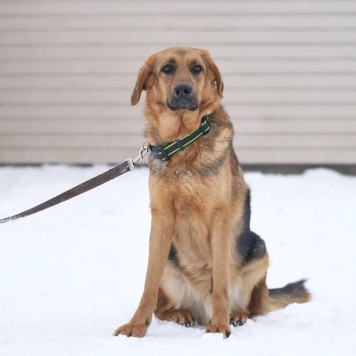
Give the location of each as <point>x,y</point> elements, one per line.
<point>71,274</point>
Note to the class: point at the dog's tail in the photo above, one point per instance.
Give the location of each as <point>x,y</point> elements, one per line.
<point>291,293</point>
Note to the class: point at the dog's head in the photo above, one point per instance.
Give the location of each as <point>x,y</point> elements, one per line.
<point>182,84</point>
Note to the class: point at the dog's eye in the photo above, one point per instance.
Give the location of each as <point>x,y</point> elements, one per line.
<point>168,68</point>
<point>197,69</point>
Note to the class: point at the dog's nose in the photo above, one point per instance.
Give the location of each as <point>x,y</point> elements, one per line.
<point>183,90</point>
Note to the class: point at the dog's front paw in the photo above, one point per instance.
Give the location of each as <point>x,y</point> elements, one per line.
<point>223,329</point>
<point>130,329</point>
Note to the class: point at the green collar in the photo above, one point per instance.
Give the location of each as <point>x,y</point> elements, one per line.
<point>165,152</point>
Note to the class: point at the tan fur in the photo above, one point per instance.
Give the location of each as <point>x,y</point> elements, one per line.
<point>197,202</point>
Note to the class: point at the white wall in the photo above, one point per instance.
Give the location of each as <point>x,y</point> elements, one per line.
<point>67,69</point>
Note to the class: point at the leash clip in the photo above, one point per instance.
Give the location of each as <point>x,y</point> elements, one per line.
<point>142,153</point>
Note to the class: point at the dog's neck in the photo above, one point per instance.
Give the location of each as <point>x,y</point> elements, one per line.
<point>165,152</point>
<point>200,154</point>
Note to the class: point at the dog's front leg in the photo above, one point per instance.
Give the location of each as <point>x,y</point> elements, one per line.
<point>160,242</point>
<point>221,235</point>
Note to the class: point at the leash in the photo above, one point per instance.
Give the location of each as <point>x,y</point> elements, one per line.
<point>126,166</point>
<point>161,152</point>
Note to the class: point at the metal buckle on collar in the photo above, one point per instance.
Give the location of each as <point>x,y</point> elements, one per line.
<point>142,153</point>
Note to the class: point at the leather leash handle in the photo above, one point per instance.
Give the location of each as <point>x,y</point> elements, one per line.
<point>79,189</point>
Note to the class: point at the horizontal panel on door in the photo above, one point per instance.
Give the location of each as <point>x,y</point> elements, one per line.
<point>168,38</point>
<point>140,53</point>
<point>126,82</point>
<point>131,67</point>
<point>117,113</point>
<point>211,21</point>
<point>231,97</point>
<point>124,141</point>
<point>104,126</point>
<point>158,8</point>
<point>72,141</point>
<point>246,156</point>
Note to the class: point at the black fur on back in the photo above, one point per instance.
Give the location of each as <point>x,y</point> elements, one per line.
<point>249,245</point>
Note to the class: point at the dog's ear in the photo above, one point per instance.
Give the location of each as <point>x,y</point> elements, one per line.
<point>215,70</point>
<point>145,73</point>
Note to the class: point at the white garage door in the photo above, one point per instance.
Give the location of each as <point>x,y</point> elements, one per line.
<point>67,69</point>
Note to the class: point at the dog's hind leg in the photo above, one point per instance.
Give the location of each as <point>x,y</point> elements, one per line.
<point>250,292</point>
<point>181,301</point>
<point>166,310</point>
<point>250,297</point>
<point>259,299</point>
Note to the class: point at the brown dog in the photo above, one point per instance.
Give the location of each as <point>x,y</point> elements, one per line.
<point>205,264</point>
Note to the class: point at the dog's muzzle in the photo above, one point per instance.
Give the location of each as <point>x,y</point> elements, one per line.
<point>182,98</point>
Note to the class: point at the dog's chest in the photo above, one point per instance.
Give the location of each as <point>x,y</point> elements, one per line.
<point>182,174</point>
<point>191,201</point>
<point>190,193</point>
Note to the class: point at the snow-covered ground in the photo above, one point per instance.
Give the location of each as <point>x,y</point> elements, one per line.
<point>70,275</point>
